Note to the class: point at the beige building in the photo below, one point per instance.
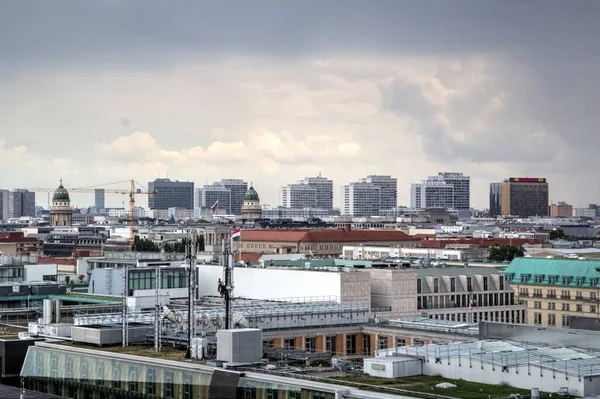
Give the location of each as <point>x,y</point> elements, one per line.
<point>319,243</point>
<point>554,290</point>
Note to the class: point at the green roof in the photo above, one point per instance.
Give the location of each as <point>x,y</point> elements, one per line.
<point>554,272</point>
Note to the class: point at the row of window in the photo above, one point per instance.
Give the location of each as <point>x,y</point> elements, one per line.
<point>566,307</point>
<point>565,320</point>
<point>554,280</point>
<point>551,294</point>
<point>452,288</point>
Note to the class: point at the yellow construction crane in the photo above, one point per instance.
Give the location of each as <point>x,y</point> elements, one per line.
<point>131,192</point>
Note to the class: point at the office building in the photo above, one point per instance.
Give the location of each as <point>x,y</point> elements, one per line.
<point>561,210</point>
<point>554,290</point>
<point>524,197</point>
<point>448,190</point>
<point>210,195</point>
<point>238,189</point>
<point>432,194</point>
<point>388,189</point>
<point>495,199</point>
<point>171,194</point>
<point>298,196</point>
<point>323,191</point>
<point>360,199</point>
<point>99,198</point>
<point>17,203</point>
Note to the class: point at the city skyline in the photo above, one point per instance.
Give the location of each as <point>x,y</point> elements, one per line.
<point>369,88</point>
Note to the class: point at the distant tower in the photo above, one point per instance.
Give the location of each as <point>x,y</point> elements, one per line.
<point>251,208</point>
<point>61,213</point>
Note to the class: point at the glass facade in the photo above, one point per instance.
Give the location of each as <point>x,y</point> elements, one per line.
<point>146,279</point>
<point>103,375</point>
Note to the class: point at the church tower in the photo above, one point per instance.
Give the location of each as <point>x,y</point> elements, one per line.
<point>61,213</point>
<point>251,208</point>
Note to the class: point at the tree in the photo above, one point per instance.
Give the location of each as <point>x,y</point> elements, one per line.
<point>146,245</point>
<point>557,234</point>
<point>501,253</point>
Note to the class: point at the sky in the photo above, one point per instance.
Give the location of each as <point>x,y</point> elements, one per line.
<point>274,91</point>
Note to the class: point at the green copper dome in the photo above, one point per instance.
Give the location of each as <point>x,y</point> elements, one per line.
<point>251,195</point>
<point>61,193</point>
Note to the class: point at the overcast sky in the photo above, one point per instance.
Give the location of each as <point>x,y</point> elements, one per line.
<point>273,91</point>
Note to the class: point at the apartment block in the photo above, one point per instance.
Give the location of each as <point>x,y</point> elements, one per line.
<point>561,210</point>
<point>171,194</point>
<point>323,190</point>
<point>298,196</point>
<point>238,189</point>
<point>388,186</point>
<point>554,290</point>
<point>208,195</point>
<point>447,189</point>
<point>360,199</point>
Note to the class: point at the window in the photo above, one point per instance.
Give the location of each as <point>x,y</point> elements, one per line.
<point>116,375</point>
<point>271,393</point>
<point>551,305</point>
<point>366,344</point>
<point>294,394</point>
<point>579,295</point>
<point>69,367</point>
<point>383,342</point>
<point>418,286</point>
<point>188,387</point>
<point>592,308</point>
<point>524,278</point>
<point>100,372</point>
<point>501,283</point>
<point>436,285</point>
<point>84,369</point>
<point>567,280</point>
<point>551,319</point>
<point>566,307</point>
<point>351,344</point>
<point>566,321</point>
<point>469,284</point>
<point>592,296</point>
<point>485,283</point>
<point>54,365</point>
<point>452,284</point>
<point>538,279</point>
<point>330,344</point>
<point>133,377</point>
<point>593,282</point>
<point>551,294</point>
<point>169,385</point>
<point>580,280</point>
<point>537,305</point>
<point>579,308</point>
<point>151,382</point>
<point>537,318</point>
<point>565,294</point>
<point>400,342</point>
<point>552,280</point>
<point>310,344</point>
<point>289,343</point>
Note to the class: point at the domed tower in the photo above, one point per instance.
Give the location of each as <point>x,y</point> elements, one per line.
<point>251,208</point>
<point>61,213</point>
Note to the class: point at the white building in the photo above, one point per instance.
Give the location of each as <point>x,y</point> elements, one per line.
<point>388,188</point>
<point>301,214</point>
<point>447,190</point>
<point>324,191</point>
<point>463,252</point>
<point>360,199</point>
<point>298,196</point>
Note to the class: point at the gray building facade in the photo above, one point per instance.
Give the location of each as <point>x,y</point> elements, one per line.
<point>210,194</point>
<point>171,194</point>
<point>17,203</point>
<point>495,199</point>
<point>99,198</point>
<point>238,188</point>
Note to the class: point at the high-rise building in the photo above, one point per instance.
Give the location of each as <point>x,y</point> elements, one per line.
<point>298,196</point>
<point>99,198</point>
<point>210,195</point>
<point>238,189</point>
<point>495,199</point>
<point>561,210</point>
<point>323,191</point>
<point>389,189</point>
<point>448,190</point>
<point>171,194</point>
<point>524,197</point>
<point>361,199</point>
<point>16,204</point>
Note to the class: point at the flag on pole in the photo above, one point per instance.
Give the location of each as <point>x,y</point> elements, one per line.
<point>236,235</point>
<point>215,207</point>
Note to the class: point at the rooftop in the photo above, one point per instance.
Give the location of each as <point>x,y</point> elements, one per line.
<point>526,270</point>
<point>325,235</point>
